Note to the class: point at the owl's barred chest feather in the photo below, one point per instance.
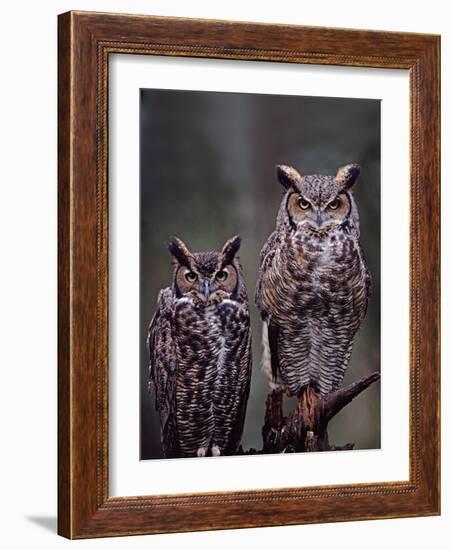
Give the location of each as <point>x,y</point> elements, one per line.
<point>312,271</point>
<point>326,266</point>
<point>205,331</point>
<point>315,292</point>
<point>208,341</point>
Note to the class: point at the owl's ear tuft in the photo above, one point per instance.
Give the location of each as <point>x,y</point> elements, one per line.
<point>288,176</point>
<point>230,249</point>
<point>347,175</point>
<point>180,251</point>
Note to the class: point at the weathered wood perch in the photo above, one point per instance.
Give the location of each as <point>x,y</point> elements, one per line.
<point>305,428</point>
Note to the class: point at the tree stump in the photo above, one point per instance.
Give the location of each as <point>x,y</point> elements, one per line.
<point>305,428</point>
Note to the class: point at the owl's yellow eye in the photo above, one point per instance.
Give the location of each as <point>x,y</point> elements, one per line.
<point>334,204</point>
<point>303,204</point>
<point>221,276</point>
<point>191,277</point>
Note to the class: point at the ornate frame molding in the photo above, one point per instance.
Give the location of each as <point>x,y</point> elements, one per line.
<point>85,42</point>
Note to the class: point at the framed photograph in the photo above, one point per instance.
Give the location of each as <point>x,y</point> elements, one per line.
<point>248,275</point>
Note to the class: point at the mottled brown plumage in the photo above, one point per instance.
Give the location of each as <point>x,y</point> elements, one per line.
<point>314,285</point>
<point>199,346</point>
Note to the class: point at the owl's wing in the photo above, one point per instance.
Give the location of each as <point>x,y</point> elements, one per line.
<point>270,327</point>
<point>163,370</point>
<point>244,359</point>
<point>265,262</point>
<point>367,280</point>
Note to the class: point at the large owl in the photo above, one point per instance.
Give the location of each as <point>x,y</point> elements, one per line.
<point>314,285</point>
<point>199,346</point>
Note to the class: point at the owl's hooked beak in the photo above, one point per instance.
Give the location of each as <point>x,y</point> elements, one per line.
<point>206,290</point>
<point>319,218</point>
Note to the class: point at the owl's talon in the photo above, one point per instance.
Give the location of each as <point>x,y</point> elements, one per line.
<point>216,450</point>
<point>201,452</point>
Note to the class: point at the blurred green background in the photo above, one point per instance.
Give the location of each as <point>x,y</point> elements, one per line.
<point>207,162</point>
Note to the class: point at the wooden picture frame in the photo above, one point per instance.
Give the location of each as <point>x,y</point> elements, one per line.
<point>85,42</point>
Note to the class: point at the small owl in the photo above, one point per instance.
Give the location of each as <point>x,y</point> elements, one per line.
<point>314,285</point>
<point>199,345</point>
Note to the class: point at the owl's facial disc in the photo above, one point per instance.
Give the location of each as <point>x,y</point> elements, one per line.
<point>206,288</point>
<point>316,214</point>
<point>193,283</point>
